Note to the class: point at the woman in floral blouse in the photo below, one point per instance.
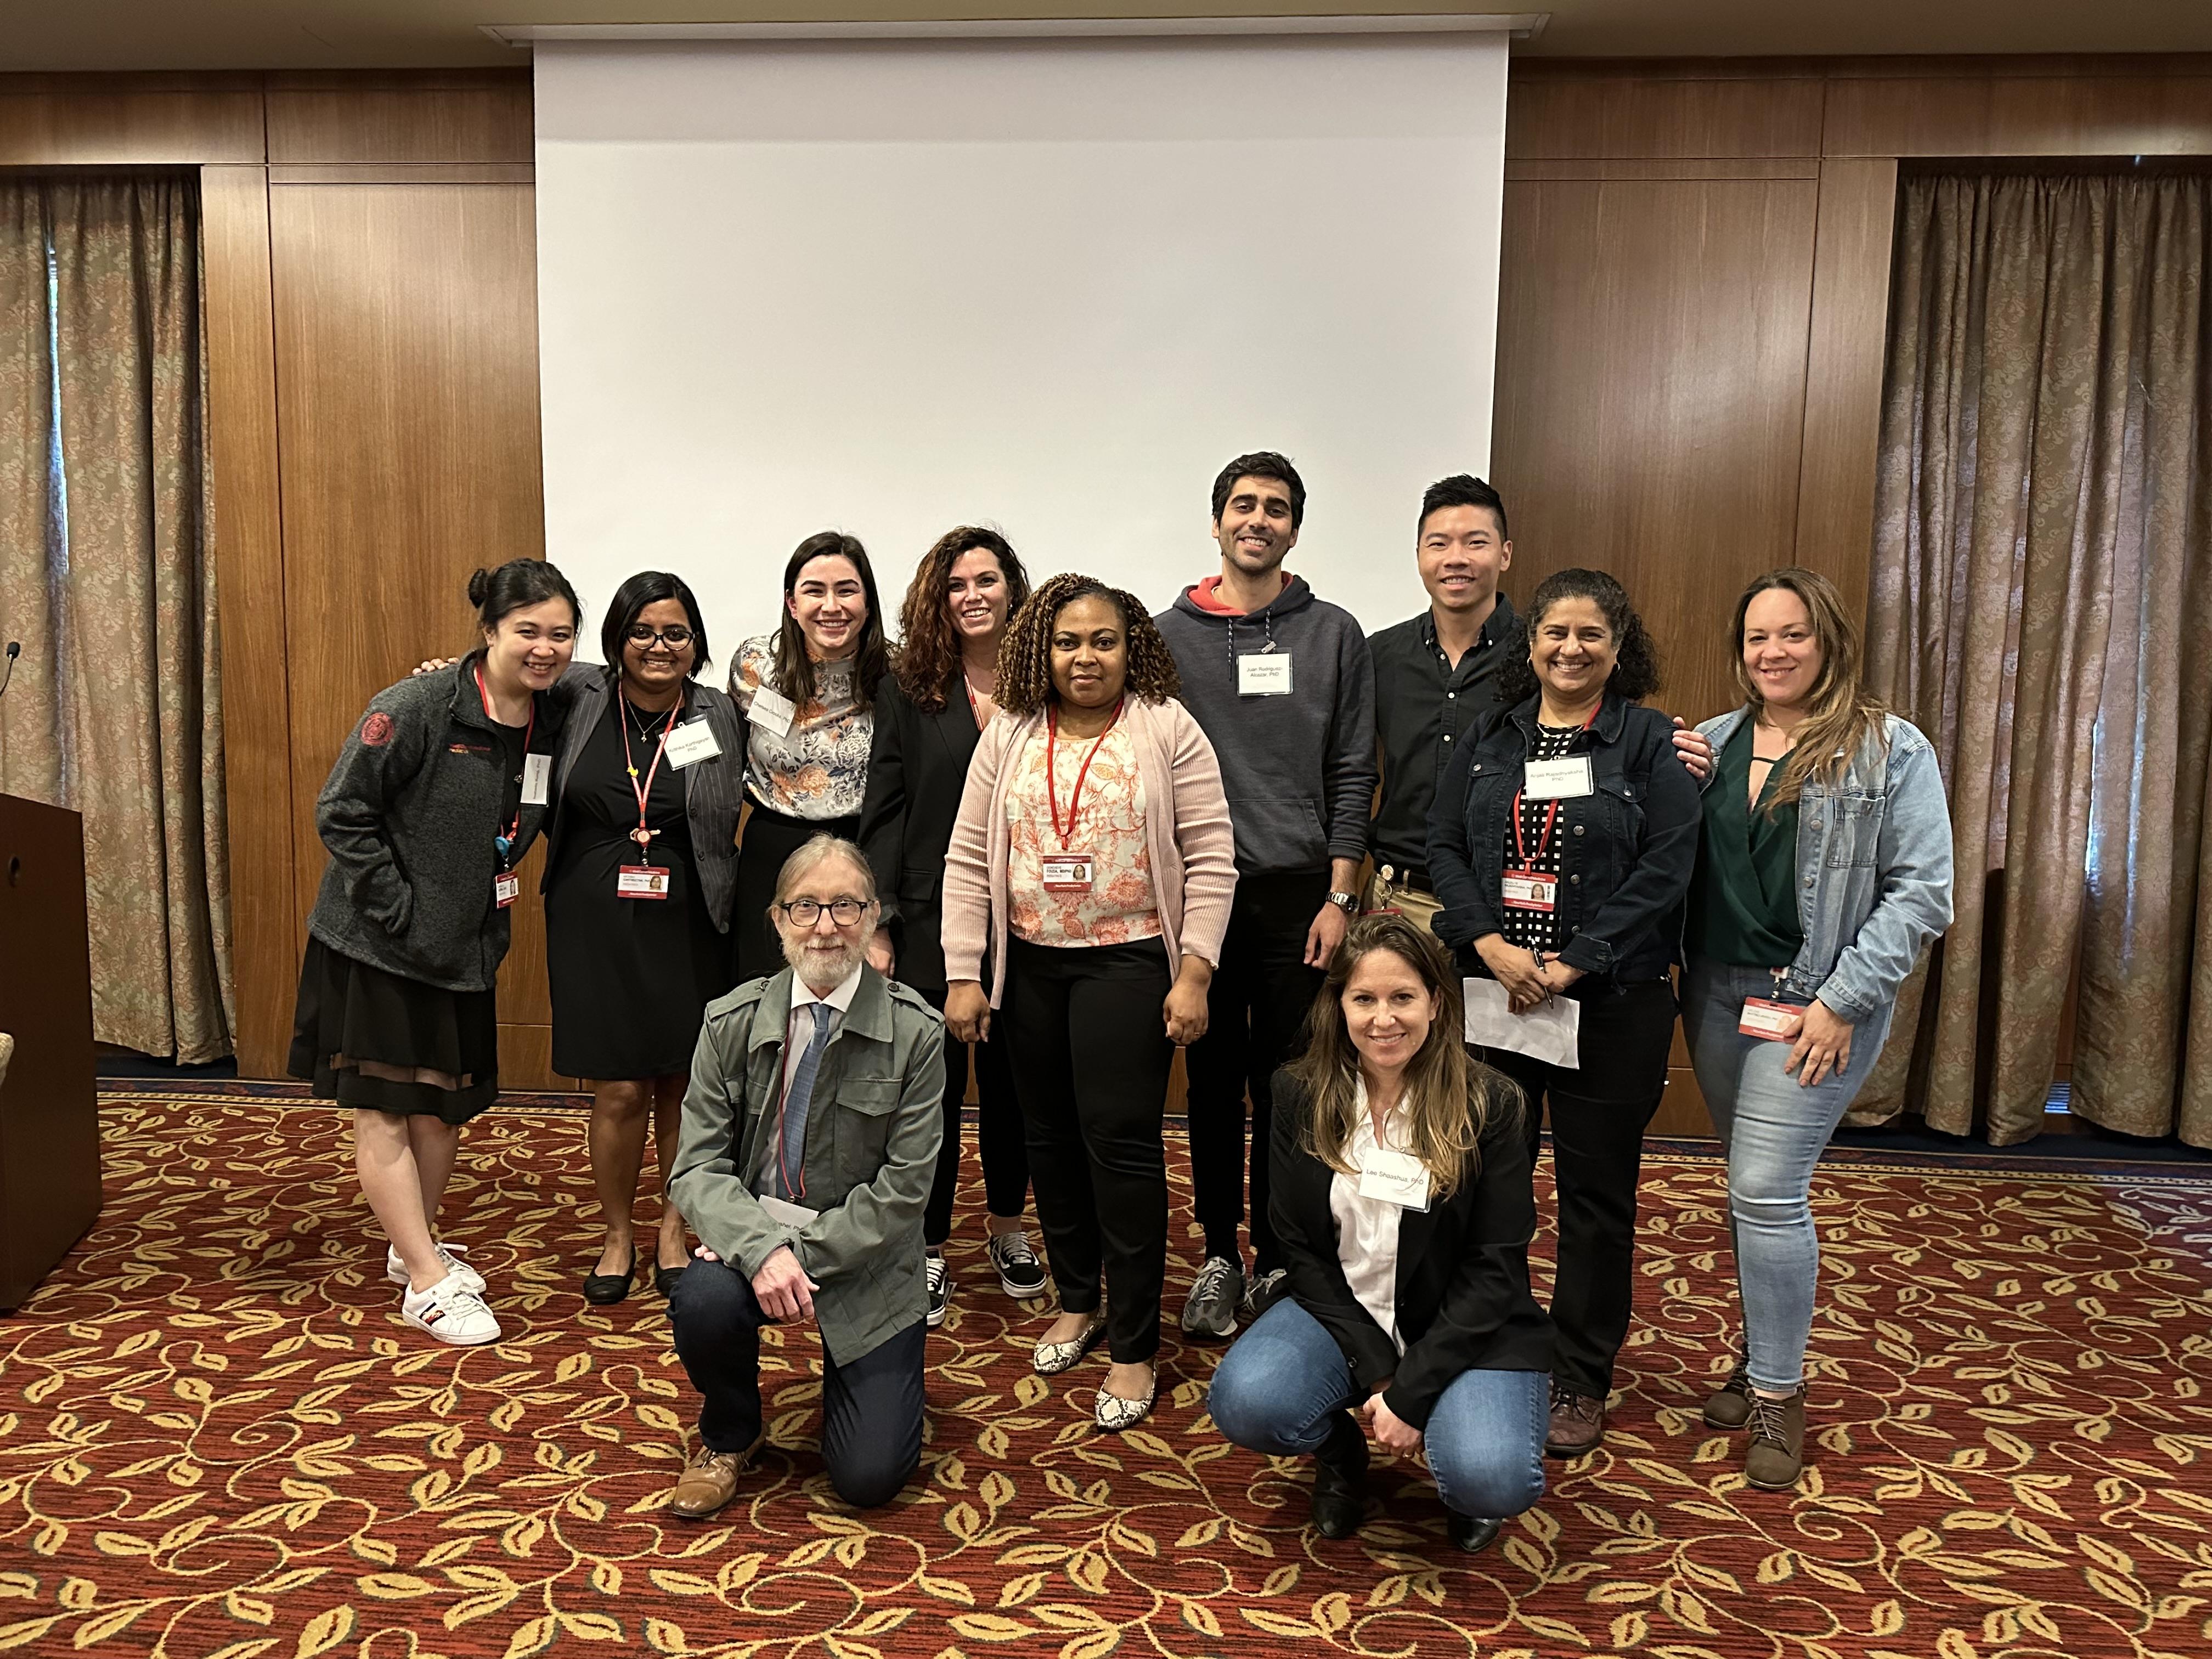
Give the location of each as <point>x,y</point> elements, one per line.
<point>1093,856</point>
<point>807,693</point>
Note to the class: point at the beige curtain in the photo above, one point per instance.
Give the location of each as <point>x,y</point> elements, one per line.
<point>107,576</point>
<point>2039,609</point>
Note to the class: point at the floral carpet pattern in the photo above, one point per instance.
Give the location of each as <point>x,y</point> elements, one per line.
<point>218,1442</point>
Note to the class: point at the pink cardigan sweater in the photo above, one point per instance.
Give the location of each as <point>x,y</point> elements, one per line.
<point>1187,833</point>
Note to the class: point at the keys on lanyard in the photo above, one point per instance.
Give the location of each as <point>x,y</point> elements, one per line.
<point>506,886</point>
<point>644,879</point>
<point>1067,872</point>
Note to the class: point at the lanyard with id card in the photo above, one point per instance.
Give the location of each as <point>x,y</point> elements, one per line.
<point>1770,1019</point>
<point>536,776</point>
<point>645,880</point>
<point>1566,778</point>
<point>1067,872</point>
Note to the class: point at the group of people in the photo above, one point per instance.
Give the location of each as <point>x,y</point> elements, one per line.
<point>1057,838</point>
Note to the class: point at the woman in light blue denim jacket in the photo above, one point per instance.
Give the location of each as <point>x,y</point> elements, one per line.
<point>1823,869</point>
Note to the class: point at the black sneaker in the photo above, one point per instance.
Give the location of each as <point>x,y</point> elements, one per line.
<point>1211,1310</point>
<point>1021,1275</point>
<point>940,1289</point>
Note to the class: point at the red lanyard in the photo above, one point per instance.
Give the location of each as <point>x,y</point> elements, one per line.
<point>514,828</point>
<point>1551,817</point>
<point>643,835</point>
<point>1051,788</point>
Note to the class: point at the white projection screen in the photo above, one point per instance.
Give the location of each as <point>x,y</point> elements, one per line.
<point>890,286</point>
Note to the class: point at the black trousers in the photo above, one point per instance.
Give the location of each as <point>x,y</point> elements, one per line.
<point>871,1407</point>
<point>769,838</point>
<point>1090,1047</point>
<point>1255,1014</point>
<point>1000,1136</point>
<point>1599,1114</point>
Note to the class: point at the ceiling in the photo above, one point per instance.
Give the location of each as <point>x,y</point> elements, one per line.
<point>203,35</point>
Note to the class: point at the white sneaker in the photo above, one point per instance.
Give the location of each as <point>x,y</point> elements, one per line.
<point>451,1254</point>
<point>452,1312</point>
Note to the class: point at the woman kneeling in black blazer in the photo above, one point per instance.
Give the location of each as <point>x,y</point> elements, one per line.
<point>1402,1200</point>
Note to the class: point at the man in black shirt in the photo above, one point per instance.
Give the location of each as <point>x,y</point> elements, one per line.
<point>1434,678</point>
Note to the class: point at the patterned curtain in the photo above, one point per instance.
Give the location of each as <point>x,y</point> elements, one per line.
<point>107,577</point>
<point>2039,609</point>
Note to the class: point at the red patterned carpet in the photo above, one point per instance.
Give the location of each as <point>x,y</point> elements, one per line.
<point>217,1442</point>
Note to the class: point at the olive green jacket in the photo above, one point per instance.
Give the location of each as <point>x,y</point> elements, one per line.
<point>870,1157</point>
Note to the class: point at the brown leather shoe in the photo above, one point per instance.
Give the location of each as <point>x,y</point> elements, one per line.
<point>1728,1406</point>
<point>711,1481</point>
<point>1578,1423</point>
<point>1776,1455</point>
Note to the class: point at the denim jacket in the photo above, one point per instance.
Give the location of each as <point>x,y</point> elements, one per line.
<point>1627,850</point>
<point>1874,870</point>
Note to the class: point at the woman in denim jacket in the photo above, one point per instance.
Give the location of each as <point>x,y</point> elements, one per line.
<point>1824,867</point>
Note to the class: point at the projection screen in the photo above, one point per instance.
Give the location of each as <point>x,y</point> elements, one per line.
<point>890,286</point>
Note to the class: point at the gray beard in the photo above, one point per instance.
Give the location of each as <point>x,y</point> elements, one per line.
<point>805,963</point>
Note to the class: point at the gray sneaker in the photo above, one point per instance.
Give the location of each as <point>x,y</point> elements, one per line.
<point>1211,1310</point>
<point>1264,1291</point>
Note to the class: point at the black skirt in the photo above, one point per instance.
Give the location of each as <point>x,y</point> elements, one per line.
<point>769,838</point>
<point>349,1012</point>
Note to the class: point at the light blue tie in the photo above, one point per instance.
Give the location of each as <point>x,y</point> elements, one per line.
<point>799,1097</point>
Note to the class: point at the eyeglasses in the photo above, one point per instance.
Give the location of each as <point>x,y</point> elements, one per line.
<point>804,913</point>
<point>675,638</point>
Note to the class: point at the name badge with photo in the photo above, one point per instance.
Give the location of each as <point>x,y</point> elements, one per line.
<point>1066,872</point>
<point>1769,1020</point>
<point>641,881</point>
<point>1530,890</point>
<point>506,888</point>
<point>1263,674</point>
<point>1567,778</point>
<point>1397,1178</point>
<point>690,743</point>
<point>536,779</point>
<point>772,711</point>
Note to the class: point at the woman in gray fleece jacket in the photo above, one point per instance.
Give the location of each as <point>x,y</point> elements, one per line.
<point>435,799</point>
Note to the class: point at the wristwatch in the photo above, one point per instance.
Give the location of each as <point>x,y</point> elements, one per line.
<point>1347,902</point>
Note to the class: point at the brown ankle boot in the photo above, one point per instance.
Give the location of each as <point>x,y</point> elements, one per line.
<point>1728,1406</point>
<point>1578,1423</point>
<point>1776,1452</point>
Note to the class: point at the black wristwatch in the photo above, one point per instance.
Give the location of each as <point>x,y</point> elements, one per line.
<point>1347,902</point>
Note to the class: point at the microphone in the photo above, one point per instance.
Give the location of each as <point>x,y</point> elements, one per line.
<point>15,650</point>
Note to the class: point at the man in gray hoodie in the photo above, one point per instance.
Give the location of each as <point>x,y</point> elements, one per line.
<point>1283,687</point>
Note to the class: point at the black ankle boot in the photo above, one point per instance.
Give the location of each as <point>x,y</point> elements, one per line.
<point>1339,1493</point>
<point>1472,1532</point>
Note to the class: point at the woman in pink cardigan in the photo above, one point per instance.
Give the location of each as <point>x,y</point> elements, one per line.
<point>1093,857</point>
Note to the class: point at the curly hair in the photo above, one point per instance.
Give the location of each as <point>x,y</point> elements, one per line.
<point>928,663</point>
<point>1025,654</point>
<point>1636,660</point>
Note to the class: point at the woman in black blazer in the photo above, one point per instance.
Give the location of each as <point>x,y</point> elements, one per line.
<point>1401,1197</point>
<point>929,711</point>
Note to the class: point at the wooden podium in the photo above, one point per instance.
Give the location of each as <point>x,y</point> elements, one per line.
<point>48,1115</point>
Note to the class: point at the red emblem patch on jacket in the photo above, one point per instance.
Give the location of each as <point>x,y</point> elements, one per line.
<point>376,730</point>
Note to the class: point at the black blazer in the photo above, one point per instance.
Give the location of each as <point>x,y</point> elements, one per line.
<point>917,769</point>
<point>713,790</point>
<point>1464,1297</point>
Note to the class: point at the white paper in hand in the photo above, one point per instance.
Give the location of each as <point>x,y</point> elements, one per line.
<point>1551,1032</point>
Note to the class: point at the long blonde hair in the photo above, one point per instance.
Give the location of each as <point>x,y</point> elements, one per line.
<point>1449,1096</point>
<point>1841,714</point>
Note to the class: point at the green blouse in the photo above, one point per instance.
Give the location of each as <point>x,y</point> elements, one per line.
<point>1743,898</point>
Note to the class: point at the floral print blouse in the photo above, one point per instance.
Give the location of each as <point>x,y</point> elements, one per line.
<point>1120,907</point>
<point>819,769</point>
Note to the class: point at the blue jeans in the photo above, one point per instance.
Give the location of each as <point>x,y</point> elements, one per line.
<point>1774,1128</point>
<point>1278,1387</point>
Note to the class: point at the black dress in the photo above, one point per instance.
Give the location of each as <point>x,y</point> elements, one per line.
<point>630,977</point>
<point>349,1012</point>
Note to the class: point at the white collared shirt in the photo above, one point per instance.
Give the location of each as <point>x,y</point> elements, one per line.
<point>1367,1228</point>
<point>840,998</point>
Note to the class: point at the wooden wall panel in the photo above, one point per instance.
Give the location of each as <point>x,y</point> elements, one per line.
<point>407,378</point>
<point>2052,108</point>
<point>1629,111</point>
<point>115,120</point>
<point>250,592</point>
<point>1650,394</point>
<point>480,118</point>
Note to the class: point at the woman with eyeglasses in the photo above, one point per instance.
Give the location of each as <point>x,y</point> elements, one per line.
<point>807,693</point>
<point>639,885</point>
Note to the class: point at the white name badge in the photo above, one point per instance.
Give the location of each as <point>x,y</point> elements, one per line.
<point>1530,890</point>
<point>641,881</point>
<point>1066,872</point>
<point>772,711</point>
<point>504,888</point>
<point>1396,1178</point>
<point>1264,674</point>
<point>790,1214</point>
<point>1770,1020</point>
<point>1565,779</point>
<point>536,779</point>
<point>692,742</point>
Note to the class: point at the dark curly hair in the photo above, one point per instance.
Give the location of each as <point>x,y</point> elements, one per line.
<point>928,663</point>
<point>1025,654</point>
<point>1635,663</point>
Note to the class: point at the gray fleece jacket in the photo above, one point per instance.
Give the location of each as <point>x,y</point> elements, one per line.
<point>1299,769</point>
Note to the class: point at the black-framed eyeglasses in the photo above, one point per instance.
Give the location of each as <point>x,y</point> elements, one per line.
<point>804,913</point>
<point>675,638</point>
